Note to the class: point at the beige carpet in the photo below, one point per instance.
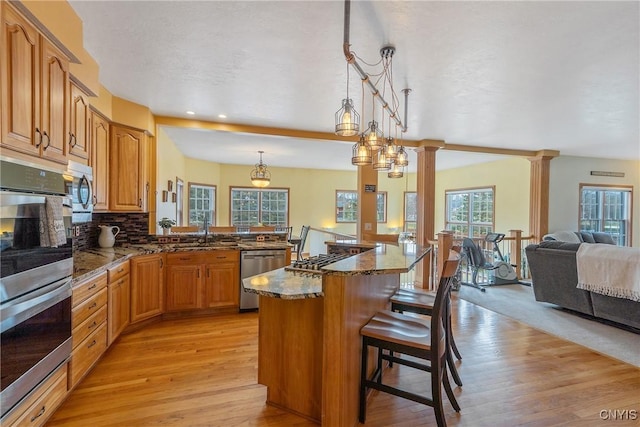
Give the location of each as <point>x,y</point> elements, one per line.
<point>518,302</point>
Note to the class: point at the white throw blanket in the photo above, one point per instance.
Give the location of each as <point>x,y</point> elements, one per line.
<point>609,270</point>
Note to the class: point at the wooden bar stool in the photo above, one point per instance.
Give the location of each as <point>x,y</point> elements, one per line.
<point>421,302</point>
<point>396,333</point>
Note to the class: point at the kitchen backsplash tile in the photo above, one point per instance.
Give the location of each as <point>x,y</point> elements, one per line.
<point>134,228</point>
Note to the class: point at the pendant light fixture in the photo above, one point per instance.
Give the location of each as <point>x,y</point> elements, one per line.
<point>347,118</point>
<point>382,162</point>
<point>260,176</point>
<point>361,153</point>
<point>396,171</point>
<point>402,158</point>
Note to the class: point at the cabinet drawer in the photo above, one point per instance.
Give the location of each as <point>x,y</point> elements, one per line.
<point>92,305</point>
<point>86,354</point>
<point>84,329</point>
<point>116,272</point>
<point>222,256</point>
<point>191,257</point>
<point>40,405</point>
<point>89,287</point>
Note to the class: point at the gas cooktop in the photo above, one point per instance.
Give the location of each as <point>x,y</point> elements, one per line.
<point>313,264</point>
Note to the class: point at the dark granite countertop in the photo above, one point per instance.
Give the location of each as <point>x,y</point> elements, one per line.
<point>93,261</point>
<point>384,259</point>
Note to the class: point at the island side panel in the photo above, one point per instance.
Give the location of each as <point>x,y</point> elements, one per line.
<point>350,302</point>
<point>290,354</point>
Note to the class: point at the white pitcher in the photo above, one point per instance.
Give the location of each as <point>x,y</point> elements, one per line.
<point>108,235</point>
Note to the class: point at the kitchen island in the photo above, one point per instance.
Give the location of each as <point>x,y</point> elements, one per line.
<point>309,329</point>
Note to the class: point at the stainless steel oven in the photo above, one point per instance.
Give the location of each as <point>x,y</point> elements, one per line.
<point>80,190</point>
<point>36,268</point>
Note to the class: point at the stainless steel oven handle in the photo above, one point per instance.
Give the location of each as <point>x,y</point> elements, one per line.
<point>21,309</point>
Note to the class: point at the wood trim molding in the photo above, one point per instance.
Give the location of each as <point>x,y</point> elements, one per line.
<point>539,197</point>
<point>425,203</point>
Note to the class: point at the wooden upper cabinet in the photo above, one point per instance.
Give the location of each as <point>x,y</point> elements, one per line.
<point>99,141</point>
<point>20,83</point>
<point>55,103</point>
<point>79,126</point>
<point>128,183</point>
<point>35,91</point>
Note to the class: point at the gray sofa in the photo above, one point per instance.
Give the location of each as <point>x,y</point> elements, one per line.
<point>554,278</point>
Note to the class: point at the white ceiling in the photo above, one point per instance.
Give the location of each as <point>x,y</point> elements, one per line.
<point>526,75</point>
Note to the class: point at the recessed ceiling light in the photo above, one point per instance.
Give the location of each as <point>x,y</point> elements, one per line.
<point>191,113</point>
<point>222,116</point>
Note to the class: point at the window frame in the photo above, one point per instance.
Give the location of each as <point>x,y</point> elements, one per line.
<point>470,224</point>
<point>382,211</point>
<point>179,201</point>
<point>405,221</point>
<point>260,192</point>
<point>214,209</point>
<point>602,188</point>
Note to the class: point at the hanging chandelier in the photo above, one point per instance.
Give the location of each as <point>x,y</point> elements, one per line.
<point>260,175</point>
<point>382,153</point>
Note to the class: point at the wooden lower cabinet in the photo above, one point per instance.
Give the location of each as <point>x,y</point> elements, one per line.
<point>41,403</point>
<point>200,280</point>
<point>147,285</point>
<point>119,302</point>
<point>89,326</point>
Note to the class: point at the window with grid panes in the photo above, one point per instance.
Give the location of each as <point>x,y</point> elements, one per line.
<point>347,206</point>
<point>250,207</point>
<point>470,212</point>
<point>410,211</point>
<point>606,209</point>
<point>202,204</point>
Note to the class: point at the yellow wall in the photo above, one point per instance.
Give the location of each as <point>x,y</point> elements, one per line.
<point>103,102</point>
<point>131,114</point>
<point>566,175</point>
<point>511,179</point>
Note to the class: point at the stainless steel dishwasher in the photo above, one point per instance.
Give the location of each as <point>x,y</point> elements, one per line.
<point>256,262</point>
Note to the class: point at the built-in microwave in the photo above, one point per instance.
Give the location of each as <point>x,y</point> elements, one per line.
<point>80,190</point>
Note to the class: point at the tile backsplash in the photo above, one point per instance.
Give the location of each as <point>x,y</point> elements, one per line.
<point>134,229</point>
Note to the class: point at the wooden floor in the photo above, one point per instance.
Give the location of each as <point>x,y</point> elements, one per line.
<point>203,371</point>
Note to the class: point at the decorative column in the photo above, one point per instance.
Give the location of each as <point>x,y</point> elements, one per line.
<point>539,194</point>
<point>425,204</point>
<point>367,201</point>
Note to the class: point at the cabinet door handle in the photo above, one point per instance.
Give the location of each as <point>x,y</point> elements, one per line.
<point>140,203</point>
<point>94,305</point>
<point>48,140</point>
<point>72,140</point>
<point>161,263</point>
<point>93,325</point>
<point>95,200</point>
<point>92,286</point>
<point>39,143</point>
<point>39,414</point>
<point>94,342</point>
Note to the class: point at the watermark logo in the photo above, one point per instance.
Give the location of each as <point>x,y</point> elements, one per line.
<point>619,414</point>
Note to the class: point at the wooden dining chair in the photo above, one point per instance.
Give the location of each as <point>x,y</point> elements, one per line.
<point>421,302</point>
<point>262,229</point>
<point>185,229</point>
<point>222,229</point>
<point>396,334</point>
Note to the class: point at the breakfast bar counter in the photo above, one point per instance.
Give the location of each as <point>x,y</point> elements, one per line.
<point>309,329</point>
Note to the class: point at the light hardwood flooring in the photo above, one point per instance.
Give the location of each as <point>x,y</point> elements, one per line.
<point>203,372</point>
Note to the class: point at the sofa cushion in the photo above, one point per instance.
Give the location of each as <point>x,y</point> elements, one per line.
<point>603,238</point>
<point>587,237</point>
<point>556,244</point>
<point>563,236</point>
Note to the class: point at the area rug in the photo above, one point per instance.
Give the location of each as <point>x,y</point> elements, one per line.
<point>518,302</point>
